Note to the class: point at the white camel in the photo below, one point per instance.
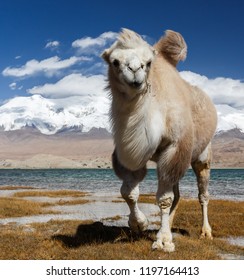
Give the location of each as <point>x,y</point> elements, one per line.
<point>158,116</point>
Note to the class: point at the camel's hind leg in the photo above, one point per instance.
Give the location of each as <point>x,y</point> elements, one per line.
<point>201,168</point>
<point>130,192</point>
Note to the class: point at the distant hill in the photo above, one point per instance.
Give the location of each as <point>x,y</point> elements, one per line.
<point>28,148</point>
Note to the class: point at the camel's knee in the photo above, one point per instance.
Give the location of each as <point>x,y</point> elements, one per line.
<point>165,201</point>
<point>130,192</point>
<point>202,171</point>
<point>201,168</point>
<point>203,198</point>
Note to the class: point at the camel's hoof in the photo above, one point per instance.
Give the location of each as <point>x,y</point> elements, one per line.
<point>169,247</point>
<point>139,223</point>
<point>206,233</point>
<point>166,247</point>
<point>157,245</point>
<point>138,226</point>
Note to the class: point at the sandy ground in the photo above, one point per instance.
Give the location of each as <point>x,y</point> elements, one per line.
<point>33,150</point>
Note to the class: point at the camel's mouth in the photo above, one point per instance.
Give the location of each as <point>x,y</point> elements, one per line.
<point>136,85</point>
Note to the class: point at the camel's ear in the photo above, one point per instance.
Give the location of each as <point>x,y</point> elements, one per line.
<point>172,46</point>
<point>105,55</point>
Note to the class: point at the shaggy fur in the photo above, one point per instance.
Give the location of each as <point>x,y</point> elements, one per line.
<point>158,116</point>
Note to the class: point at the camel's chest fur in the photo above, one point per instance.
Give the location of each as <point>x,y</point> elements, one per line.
<point>137,136</point>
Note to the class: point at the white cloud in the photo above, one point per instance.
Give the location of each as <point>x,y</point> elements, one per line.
<point>13,86</point>
<point>72,85</point>
<point>48,66</point>
<point>222,90</point>
<point>52,45</point>
<point>94,45</point>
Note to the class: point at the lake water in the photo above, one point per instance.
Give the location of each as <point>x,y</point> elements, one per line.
<point>224,183</point>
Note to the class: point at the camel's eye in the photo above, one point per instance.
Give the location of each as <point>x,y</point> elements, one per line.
<point>149,64</point>
<point>116,63</point>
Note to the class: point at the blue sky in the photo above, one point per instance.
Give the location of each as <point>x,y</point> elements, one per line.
<point>42,42</point>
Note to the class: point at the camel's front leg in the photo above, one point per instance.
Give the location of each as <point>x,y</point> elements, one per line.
<point>137,220</point>
<point>168,203</point>
<point>171,166</point>
<point>130,192</point>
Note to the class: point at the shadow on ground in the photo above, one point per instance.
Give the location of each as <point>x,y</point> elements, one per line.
<point>100,233</point>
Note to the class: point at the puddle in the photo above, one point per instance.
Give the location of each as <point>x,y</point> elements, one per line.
<point>231,257</point>
<point>237,241</point>
<point>52,199</point>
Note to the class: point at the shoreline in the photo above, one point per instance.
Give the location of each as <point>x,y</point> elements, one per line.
<point>101,168</point>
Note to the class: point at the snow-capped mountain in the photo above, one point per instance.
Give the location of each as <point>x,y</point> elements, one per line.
<point>52,115</point>
<point>90,109</point>
<point>229,118</point>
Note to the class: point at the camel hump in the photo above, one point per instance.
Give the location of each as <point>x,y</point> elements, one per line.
<point>172,46</point>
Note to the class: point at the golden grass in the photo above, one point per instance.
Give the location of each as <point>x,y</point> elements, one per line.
<point>114,218</point>
<point>71,202</point>
<point>14,207</point>
<point>147,198</point>
<point>89,240</point>
<point>17,207</point>
<point>57,193</point>
<point>93,242</point>
<point>226,217</point>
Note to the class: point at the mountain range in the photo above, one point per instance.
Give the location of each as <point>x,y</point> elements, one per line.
<point>28,148</point>
<point>51,116</point>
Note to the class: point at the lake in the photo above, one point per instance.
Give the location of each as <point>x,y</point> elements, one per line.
<point>224,183</point>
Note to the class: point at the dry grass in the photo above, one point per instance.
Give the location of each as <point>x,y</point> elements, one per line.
<point>226,217</point>
<point>57,193</point>
<point>89,240</point>
<point>14,207</point>
<point>71,202</point>
<point>147,198</point>
<point>114,218</point>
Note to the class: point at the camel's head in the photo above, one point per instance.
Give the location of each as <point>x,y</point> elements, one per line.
<point>129,60</point>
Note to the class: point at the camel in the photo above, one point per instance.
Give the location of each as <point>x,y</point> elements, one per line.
<point>156,115</point>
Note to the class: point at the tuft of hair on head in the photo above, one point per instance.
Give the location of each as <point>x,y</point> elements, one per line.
<point>172,46</point>
<point>129,39</point>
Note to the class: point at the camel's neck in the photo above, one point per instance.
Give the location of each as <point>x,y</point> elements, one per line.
<point>137,129</point>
